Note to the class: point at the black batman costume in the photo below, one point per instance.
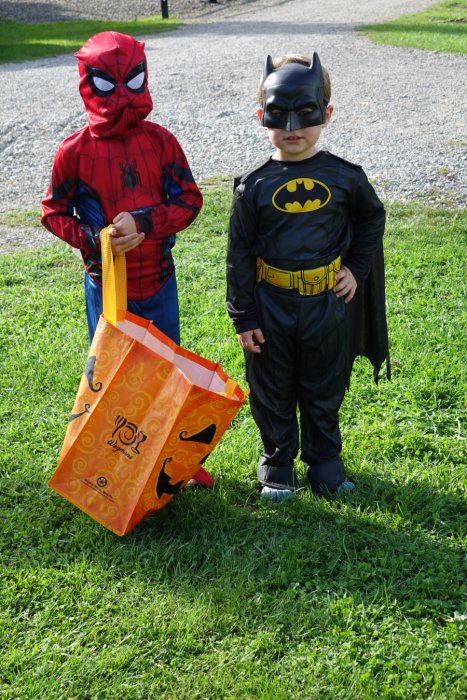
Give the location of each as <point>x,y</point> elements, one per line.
<point>294,216</point>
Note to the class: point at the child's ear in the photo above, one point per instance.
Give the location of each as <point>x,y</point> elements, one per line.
<point>329,111</point>
<point>259,113</point>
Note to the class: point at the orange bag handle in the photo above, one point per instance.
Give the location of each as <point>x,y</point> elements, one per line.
<point>113,280</point>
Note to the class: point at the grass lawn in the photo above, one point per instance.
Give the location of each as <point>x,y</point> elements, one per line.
<point>441,27</point>
<point>21,42</point>
<point>219,596</point>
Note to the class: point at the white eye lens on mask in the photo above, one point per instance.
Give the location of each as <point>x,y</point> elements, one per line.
<point>103,85</point>
<point>136,82</point>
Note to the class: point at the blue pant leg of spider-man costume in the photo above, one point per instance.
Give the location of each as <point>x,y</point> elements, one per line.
<point>161,308</point>
<point>301,364</point>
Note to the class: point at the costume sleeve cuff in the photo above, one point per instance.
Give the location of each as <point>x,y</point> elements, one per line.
<point>143,221</point>
<point>245,325</point>
<point>357,272</point>
<point>91,237</point>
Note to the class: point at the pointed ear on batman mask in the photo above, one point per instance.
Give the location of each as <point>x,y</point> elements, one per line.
<point>293,95</point>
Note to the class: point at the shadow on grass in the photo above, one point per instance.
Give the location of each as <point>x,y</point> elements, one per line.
<point>416,503</point>
<point>227,540</point>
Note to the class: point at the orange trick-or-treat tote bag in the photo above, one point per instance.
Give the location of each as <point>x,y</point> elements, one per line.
<point>146,416</point>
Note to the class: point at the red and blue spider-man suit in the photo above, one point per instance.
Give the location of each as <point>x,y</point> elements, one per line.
<point>119,163</point>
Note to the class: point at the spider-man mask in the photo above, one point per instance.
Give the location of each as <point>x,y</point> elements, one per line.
<point>293,95</point>
<point>113,83</point>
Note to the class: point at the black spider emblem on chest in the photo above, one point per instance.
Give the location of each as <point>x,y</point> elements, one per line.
<point>130,176</point>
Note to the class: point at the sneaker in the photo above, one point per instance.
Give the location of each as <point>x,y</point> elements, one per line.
<point>345,487</point>
<point>275,495</point>
<point>201,479</point>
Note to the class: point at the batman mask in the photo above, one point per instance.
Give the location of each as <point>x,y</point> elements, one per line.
<point>293,95</point>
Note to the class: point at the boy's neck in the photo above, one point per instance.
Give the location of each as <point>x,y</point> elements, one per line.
<point>295,158</point>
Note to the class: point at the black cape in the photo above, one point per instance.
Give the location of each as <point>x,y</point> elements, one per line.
<point>366,321</point>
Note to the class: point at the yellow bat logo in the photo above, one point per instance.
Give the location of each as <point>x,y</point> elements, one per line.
<point>301,195</point>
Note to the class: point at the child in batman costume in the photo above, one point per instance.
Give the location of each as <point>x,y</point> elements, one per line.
<point>123,170</point>
<point>305,281</point>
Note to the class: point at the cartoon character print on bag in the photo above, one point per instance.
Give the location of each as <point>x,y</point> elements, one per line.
<point>205,436</point>
<point>128,434</point>
<point>164,486</point>
<point>89,375</point>
<point>86,409</point>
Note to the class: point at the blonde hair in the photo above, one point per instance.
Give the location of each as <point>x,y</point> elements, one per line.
<point>305,61</point>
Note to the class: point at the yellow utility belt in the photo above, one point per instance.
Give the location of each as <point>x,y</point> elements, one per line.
<point>307,282</point>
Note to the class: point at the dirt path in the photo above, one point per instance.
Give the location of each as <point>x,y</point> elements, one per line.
<point>394,108</point>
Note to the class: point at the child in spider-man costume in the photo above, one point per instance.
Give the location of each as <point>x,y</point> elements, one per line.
<point>123,170</point>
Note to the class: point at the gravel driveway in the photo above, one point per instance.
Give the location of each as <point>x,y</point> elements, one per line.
<point>398,112</point>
